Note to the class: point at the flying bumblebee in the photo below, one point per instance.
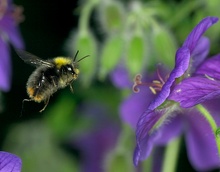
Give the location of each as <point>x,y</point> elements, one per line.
<point>49,75</point>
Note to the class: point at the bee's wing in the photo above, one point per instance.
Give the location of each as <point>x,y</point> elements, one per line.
<point>32,59</point>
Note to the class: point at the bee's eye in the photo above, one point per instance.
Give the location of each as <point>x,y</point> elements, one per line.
<point>69,69</point>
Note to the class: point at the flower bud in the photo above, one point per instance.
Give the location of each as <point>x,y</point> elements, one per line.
<point>87,45</point>
<point>111,54</point>
<point>135,54</point>
<point>111,15</point>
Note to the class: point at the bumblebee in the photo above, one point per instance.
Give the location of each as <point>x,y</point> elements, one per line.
<point>49,76</point>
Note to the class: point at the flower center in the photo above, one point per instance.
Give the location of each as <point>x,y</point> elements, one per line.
<point>155,86</point>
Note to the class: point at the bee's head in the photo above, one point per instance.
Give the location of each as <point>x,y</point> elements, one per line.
<point>75,66</point>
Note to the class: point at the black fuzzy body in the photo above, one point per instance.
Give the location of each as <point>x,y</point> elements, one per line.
<point>45,81</point>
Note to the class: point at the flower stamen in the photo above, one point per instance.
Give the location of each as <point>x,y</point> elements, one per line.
<point>155,86</point>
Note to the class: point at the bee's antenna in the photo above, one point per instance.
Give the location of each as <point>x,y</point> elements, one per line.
<point>76,55</point>
<point>82,58</point>
<point>74,59</point>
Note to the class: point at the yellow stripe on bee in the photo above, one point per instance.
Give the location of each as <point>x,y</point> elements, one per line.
<point>61,61</point>
<point>36,98</point>
<point>30,91</point>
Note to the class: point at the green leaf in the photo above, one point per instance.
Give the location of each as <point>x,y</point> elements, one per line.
<point>135,54</point>
<point>111,54</point>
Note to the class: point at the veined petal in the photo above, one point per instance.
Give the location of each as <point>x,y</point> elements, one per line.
<point>182,62</point>
<point>200,142</point>
<point>195,90</point>
<point>145,134</point>
<point>9,162</point>
<point>193,38</point>
<point>199,53</point>
<point>210,68</point>
<point>135,105</point>
<point>183,56</point>
<point>149,134</point>
<point>172,128</point>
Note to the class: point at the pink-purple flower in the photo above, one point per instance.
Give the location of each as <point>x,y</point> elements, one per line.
<point>193,80</point>
<point>10,16</point>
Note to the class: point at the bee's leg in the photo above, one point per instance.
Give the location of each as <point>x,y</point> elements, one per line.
<point>22,107</point>
<point>71,88</point>
<point>46,103</point>
<point>54,83</point>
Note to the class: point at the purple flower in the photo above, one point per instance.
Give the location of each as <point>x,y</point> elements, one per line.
<point>9,162</point>
<point>9,34</point>
<point>98,141</point>
<point>164,119</point>
<point>94,147</point>
<point>123,81</point>
<point>203,86</point>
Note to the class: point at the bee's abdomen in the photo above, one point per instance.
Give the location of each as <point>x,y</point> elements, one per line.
<point>34,94</point>
<point>42,84</point>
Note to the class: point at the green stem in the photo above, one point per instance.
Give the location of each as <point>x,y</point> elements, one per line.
<point>85,14</point>
<point>171,156</point>
<point>212,124</point>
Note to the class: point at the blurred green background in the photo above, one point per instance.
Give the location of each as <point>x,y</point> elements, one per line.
<point>111,32</point>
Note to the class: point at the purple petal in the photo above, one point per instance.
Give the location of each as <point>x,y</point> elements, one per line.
<point>183,55</point>
<point>170,130</point>
<point>213,107</point>
<point>193,38</point>
<point>142,151</point>
<point>195,90</point>
<point>144,134</point>
<point>135,105</point>
<point>148,136</point>
<point>120,77</point>
<point>199,53</point>
<point>182,62</point>
<point>210,68</point>
<point>201,145</point>
<point>9,162</point>
<point>15,38</point>
<point>9,27</point>
<point>5,67</point>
